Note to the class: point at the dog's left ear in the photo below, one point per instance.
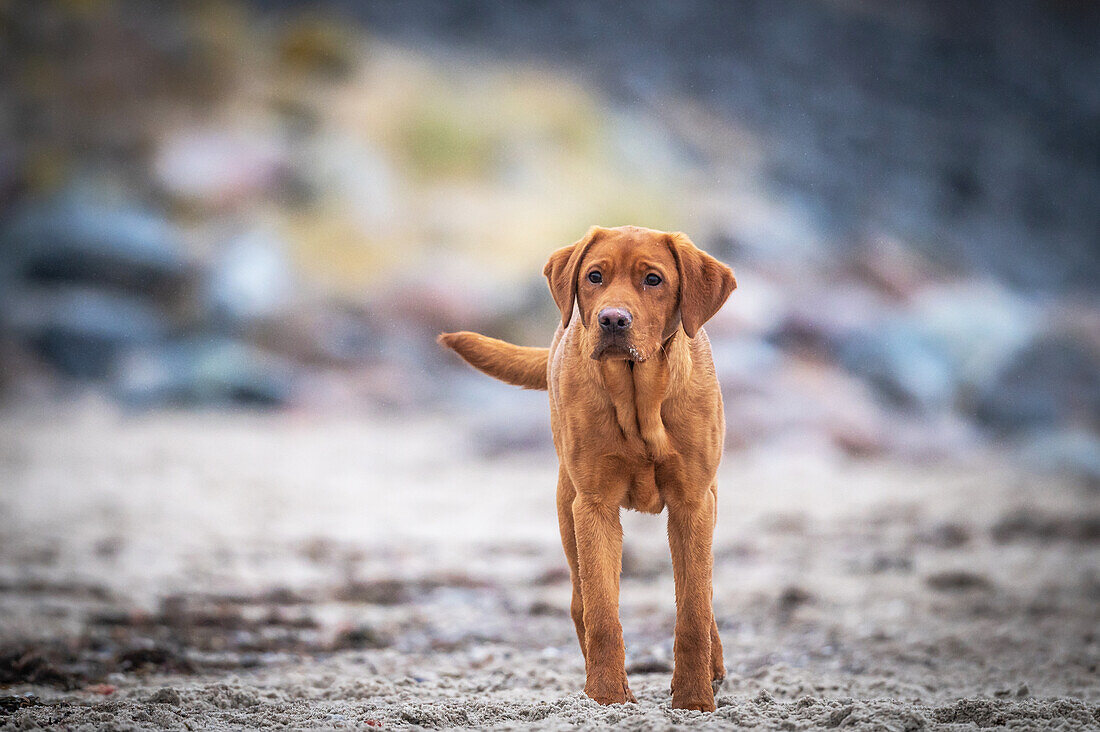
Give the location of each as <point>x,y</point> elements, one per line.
<point>705,283</point>
<point>561,272</point>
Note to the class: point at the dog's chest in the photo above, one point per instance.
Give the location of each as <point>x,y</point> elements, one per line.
<point>636,392</point>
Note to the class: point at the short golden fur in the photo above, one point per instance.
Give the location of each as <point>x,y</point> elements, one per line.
<point>638,423</point>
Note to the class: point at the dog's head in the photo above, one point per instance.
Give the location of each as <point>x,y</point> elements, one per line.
<point>634,287</point>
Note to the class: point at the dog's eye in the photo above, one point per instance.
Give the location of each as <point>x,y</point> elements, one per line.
<point>595,278</point>
<point>652,279</point>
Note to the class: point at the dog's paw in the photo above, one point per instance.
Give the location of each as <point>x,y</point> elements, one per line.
<point>700,701</point>
<point>610,692</point>
<point>699,697</point>
<point>718,673</point>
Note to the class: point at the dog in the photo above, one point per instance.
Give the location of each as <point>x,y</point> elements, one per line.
<point>636,413</point>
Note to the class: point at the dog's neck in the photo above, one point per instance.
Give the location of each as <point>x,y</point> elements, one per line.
<point>637,390</point>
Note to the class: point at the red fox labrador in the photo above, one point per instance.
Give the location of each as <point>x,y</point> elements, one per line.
<point>637,419</point>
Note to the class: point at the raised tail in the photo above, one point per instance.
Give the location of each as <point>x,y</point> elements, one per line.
<point>518,365</point>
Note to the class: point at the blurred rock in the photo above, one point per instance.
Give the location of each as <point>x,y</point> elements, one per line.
<point>76,239</point>
<point>448,292</point>
<point>649,664</point>
<point>642,566</point>
<point>203,371</point>
<point>81,279</point>
<point>946,535</point>
<point>165,695</point>
<point>1064,452</point>
<point>1031,525</point>
<point>29,663</point>
<point>11,156</point>
<point>541,607</point>
<point>1053,380</point>
<point>10,704</point>
<point>319,45</point>
<point>820,319</point>
<point>360,637</point>
<point>951,342</point>
<point>249,279</point>
<point>356,175</point>
<point>82,331</point>
<point>958,581</point>
<point>903,365</point>
<point>321,334</point>
<point>977,325</point>
<point>930,438</point>
<point>890,266</point>
<point>757,307</point>
<point>790,599</point>
<point>744,363</point>
<point>768,397</point>
<point>218,166</point>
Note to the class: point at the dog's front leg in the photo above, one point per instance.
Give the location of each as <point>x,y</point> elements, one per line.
<point>690,533</point>
<point>599,554</point>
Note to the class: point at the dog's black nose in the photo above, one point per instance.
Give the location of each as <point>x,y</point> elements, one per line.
<point>615,320</point>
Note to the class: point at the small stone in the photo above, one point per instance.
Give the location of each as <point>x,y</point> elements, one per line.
<point>166,695</point>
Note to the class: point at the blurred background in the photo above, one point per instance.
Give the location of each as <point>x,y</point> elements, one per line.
<point>278,204</point>
<point>230,231</point>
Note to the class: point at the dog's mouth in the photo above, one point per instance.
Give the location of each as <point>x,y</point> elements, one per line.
<point>617,348</point>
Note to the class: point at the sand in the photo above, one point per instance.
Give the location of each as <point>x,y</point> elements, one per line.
<point>227,571</point>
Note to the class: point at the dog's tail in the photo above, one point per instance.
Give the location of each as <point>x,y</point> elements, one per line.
<point>518,365</point>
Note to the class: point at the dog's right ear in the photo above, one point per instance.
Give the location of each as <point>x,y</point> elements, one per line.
<point>561,272</point>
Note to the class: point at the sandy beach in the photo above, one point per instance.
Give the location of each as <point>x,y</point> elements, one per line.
<point>223,571</point>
